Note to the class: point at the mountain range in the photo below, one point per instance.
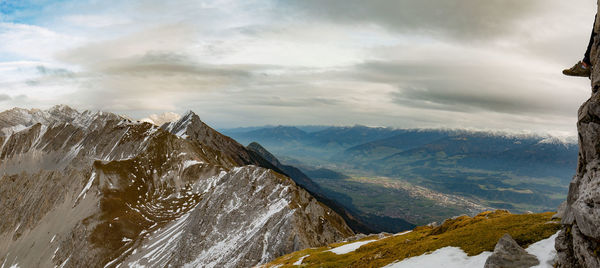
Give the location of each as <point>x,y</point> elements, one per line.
<point>425,175</point>
<point>95,189</point>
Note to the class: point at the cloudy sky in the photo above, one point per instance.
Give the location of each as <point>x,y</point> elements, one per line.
<point>493,64</point>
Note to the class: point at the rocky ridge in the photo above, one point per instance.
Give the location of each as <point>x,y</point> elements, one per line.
<point>578,244</point>
<point>94,189</point>
<point>351,218</point>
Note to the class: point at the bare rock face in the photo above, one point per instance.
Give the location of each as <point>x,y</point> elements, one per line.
<point>508,253</point>
<point>353,220</point>
<point>560,211</point>
<point>93,189</point>
<point>578,244</point>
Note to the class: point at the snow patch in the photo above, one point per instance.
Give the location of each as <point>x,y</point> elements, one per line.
<point>87,186</point>
<point>4,262</point>
<point>65,262</point>
<point>160,246</point>
<point>448,257</point>
<point>210,257</point>
<point>181,126</point>
<point>453,257</point>
<point>557,140</point>
<point>54,254</point>
<point>544,251</point>
<point>299,261</point>
<point>350,247</point>
<point>403,233</point>
<point>189,163</point>
<point>7,131</point>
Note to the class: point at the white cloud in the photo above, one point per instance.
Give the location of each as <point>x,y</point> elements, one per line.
<point>160,119</point>
<point>309,62</point>
<point>95,21</point>
<point>29,42</point>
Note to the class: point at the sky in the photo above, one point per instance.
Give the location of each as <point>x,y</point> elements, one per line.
<point>488,65</point>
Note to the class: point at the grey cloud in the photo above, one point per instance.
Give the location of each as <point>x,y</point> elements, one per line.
<point>466,88</point>
<point>4,97</point>
<point>440,95</point>
<point>21,100</point>
<point>455,18</point>
<point>157,53</point>
<point>161,38</point>
<point>168,59</point>
<point>157,77</point>
<point>295,102</point>
<point>170,64</point>
<point>44,70</point>
<point>50,75</point>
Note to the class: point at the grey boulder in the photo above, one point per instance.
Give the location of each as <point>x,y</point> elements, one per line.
<point>508,253</point>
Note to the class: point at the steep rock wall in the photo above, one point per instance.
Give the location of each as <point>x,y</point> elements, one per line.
<point>578,244</point>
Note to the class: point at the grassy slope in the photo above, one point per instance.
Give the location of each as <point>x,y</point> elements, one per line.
<point>473,235</point>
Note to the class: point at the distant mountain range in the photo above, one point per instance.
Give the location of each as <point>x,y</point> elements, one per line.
<point>492,170</point>
<point>358,221</point>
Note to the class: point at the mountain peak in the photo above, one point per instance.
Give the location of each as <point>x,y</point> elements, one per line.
<point>62,113</point>
<point>189,113</point>
<point>190,127</point>
<point>181,126</point>
<point>61,108</point>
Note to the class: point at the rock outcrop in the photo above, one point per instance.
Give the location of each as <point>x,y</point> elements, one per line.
<point>578,244</point>
<point>353,220</point>
<point>94,189</point>
<point>508,253</point>
<point>296,174</point>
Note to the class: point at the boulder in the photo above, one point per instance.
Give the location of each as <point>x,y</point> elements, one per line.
<point>508,253</point>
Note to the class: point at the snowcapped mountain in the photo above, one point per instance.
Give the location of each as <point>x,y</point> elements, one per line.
<point>94,189</point>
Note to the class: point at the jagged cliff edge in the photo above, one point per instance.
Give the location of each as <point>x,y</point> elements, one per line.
<point>578,244</point>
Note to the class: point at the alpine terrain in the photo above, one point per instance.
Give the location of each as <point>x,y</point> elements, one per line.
<point>94,189</point>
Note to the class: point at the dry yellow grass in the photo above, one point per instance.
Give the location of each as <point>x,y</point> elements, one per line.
<point>472,234</point>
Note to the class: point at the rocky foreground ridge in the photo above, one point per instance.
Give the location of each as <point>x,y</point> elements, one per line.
<point>578,244</point>
<point>94,189</point>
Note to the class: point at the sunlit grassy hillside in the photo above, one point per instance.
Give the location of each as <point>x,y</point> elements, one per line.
<point>473,235</point>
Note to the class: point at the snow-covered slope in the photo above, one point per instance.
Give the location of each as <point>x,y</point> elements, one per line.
<point>453,257</point>
<point>95,189</point>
